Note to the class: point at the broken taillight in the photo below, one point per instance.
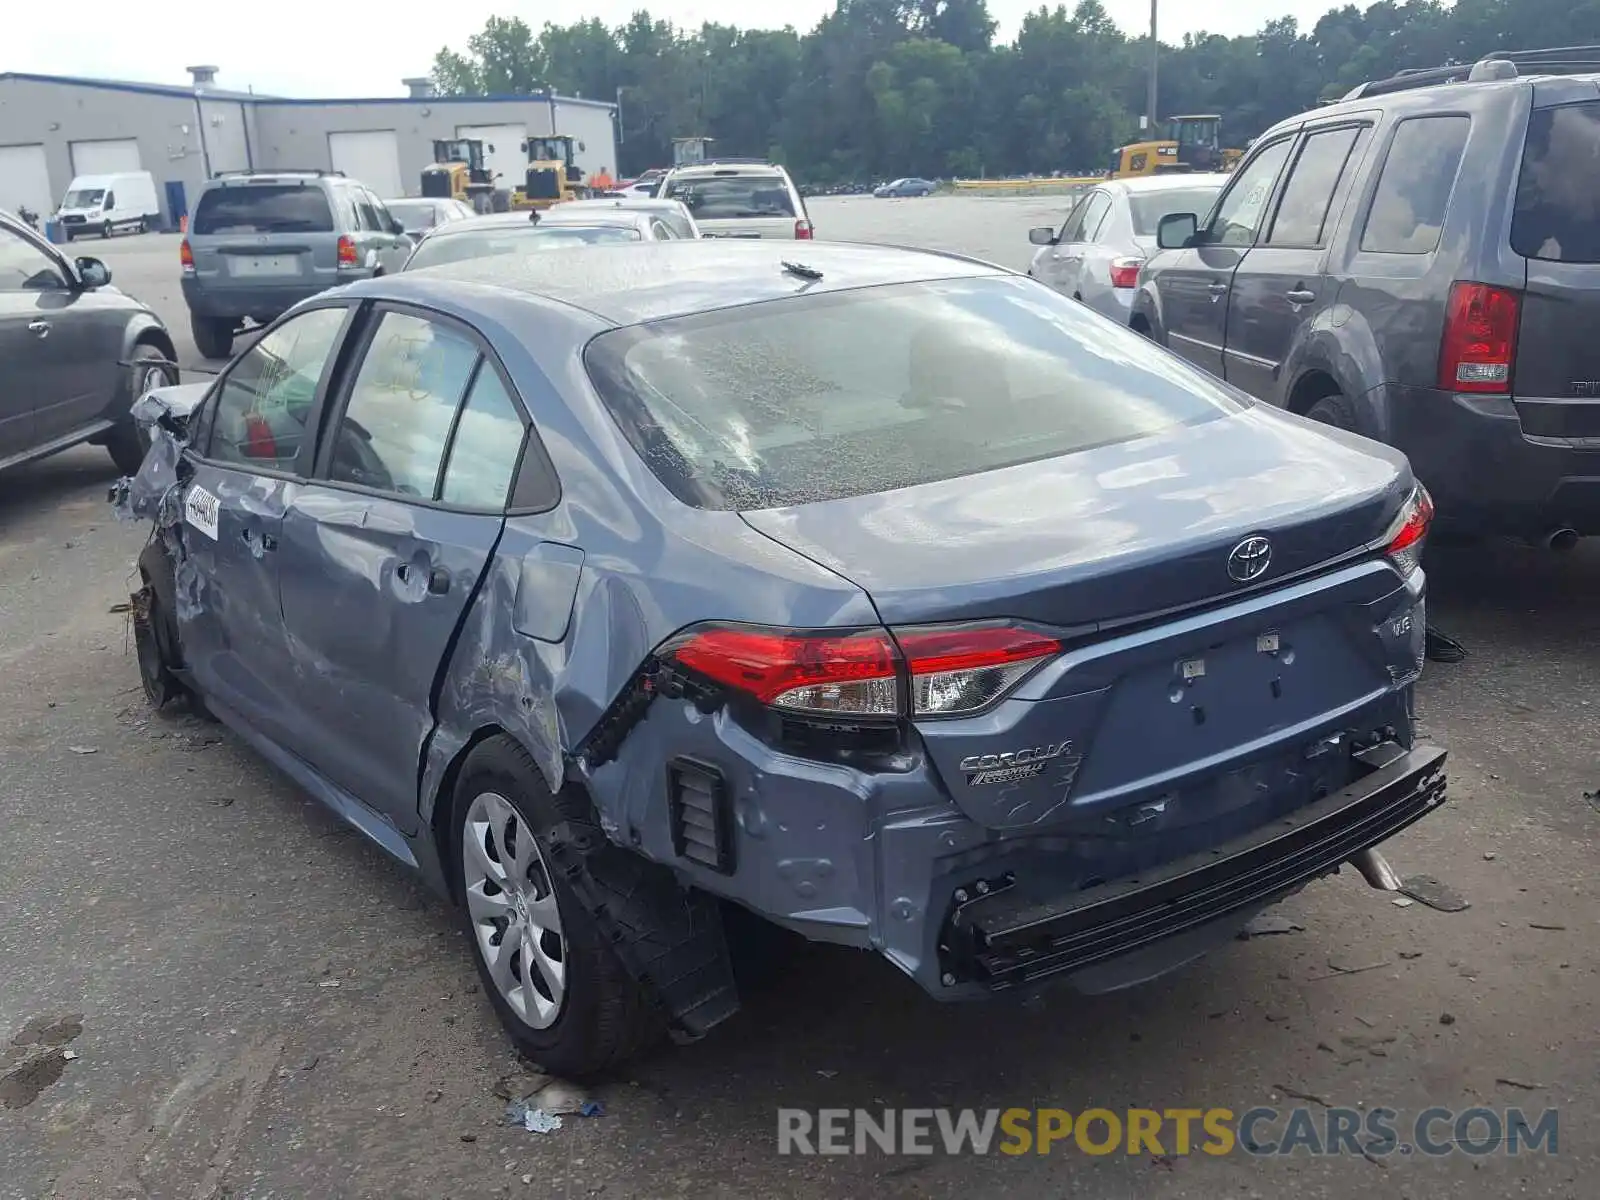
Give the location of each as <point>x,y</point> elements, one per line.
<point>1409,532</point>
<point>1479,347</point>
<point>924,671</point>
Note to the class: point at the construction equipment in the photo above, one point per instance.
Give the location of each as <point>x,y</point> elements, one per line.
<point>552,175</point>
<point>1192,143</point>
<point>458,173</point>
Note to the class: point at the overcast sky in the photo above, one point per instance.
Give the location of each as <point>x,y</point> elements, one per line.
<point>313,48</point>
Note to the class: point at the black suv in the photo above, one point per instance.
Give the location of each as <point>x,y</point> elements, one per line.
<point>75,353</point>
<point>1419,263</point>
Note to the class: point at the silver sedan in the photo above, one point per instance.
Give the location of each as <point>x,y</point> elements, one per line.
<point>1096,254</point>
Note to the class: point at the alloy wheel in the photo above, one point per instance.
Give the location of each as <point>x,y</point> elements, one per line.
<point>515,918</point>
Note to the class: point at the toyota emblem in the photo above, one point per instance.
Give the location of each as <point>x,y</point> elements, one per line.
<point>1249,559</point>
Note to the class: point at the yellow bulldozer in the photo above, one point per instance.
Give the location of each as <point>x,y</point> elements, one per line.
<point>1192,143</point>
<point>458,173</point>
<point>552,175</point>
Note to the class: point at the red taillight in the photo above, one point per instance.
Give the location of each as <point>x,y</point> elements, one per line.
<point>1479,346</point>
<point>1409,531</point>
<point>950,669</point>
<point>802,231</point>
<point>185,255</point>
<point>347,251</point>
<point>1125,272</point>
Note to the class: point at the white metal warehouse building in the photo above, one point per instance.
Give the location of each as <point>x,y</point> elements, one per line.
<point>55,127</point>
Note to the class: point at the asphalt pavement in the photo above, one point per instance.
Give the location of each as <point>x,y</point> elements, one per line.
<point>256,1003</point>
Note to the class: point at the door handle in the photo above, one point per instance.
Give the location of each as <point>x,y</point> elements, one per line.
<point>438,578</point>
<point>249,537</point>
<point>1216,289</point>
<point>39,328</point>
<point>1300,296</point>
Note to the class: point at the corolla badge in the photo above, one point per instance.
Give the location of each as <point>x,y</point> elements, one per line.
<point>1249,559</point>
<point>1011,765</point>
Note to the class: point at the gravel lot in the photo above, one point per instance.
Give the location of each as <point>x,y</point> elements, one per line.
<point>261,1005</point>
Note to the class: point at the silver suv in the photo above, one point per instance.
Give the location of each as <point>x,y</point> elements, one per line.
<point>259,242</point>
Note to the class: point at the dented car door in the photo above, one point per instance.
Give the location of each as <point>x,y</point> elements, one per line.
<point>383,550</point>
<point>252,447</point>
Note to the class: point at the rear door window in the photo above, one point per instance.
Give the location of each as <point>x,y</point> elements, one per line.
<point>1557,215</point>
<point>402,406</point>
<point>262,208</point>
<point>1316,180</point>
<point>1419,176</point>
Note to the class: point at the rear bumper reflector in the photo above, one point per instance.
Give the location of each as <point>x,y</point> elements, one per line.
<point>1003,940</point>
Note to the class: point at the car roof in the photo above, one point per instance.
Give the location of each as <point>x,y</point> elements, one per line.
<point>611,220</point>
<point>712,169</point>
<point>627,285</point>
<point>1171,183</point>
<point>618,204</point>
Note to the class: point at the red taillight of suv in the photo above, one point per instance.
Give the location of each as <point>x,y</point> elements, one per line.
<point>923,671</point>
<point>1125,272</point>
<point>1409,532</point>
<point>186,257</point>
<point>802,231</point>
<point>1479,347</point>
<point>347,251</point>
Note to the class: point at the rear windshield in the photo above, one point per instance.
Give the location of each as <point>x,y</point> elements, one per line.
<point>726,197</point>
<point>1557,215</point>
<point>263,208</point>
<point>1148,209</point>
<point>513,239</point>
<point>823,397</point>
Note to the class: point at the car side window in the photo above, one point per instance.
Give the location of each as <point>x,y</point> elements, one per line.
<point>1072,227</point>
<point>111,200</point>
<point>1242,206</point>
<point>1313,186</point>
<point>662,232</point>
<point>368,214</point>
<point>1414,188</point>
<point>396,423</point>
<point>26,268</point>
<point>486,445</point>
<point>1094,216</point>
<point>381,213</point>
<point>265,400</point>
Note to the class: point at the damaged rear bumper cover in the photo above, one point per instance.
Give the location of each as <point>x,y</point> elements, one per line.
<point>998,938</point>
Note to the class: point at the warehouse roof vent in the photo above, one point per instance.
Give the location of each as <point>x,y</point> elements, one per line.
<point>203,76</point>
<point>420,87</point>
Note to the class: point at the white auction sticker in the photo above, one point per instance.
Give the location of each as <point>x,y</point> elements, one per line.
<point>200,510</point>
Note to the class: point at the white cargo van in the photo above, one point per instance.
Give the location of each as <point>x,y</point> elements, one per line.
<point>104,204</point>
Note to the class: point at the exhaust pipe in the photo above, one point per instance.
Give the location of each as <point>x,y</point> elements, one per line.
<point>1561,540</point>
<point>1375,869</point>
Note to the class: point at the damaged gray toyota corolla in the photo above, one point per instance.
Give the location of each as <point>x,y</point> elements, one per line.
<point>888,595</point>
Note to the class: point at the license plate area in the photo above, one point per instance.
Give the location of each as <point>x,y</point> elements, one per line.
<point>255,266</point>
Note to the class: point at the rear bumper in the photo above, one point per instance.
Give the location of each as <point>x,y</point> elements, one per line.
<point>1489,476</point>
<point>1002,939</point>
<point>211,299</point>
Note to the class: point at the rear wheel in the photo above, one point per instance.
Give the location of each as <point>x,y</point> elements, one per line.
<point>560,991</point>
<point>213,337</point>
<point>128,440</point>
<point>1335,410</point>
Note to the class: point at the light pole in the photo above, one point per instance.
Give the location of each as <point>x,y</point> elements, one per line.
<point>1155,54</point>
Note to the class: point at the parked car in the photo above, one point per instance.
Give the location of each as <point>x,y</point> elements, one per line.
<point>261,241</point>
<point>644,187</point>
<point>1419,264</point>
<point>106,204</point>
<point>522,234</point>
<point>76,353</point>
<point>418,216</point>
<point>672,213</point>
<point>740,200</point>
<point>1096,254</point>
<point>906,187</point>
<point>612,583</point>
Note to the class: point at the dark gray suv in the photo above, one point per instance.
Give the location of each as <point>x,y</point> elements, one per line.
<point>262,241</point>
<point>1418,263</point>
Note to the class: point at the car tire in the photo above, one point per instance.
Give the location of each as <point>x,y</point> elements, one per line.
<point>105,230</point>
<point>213,337</point>
<point>128,442</point>
<point>1336,410</point>
<point>584,1013</point>
<point>152,645</point>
